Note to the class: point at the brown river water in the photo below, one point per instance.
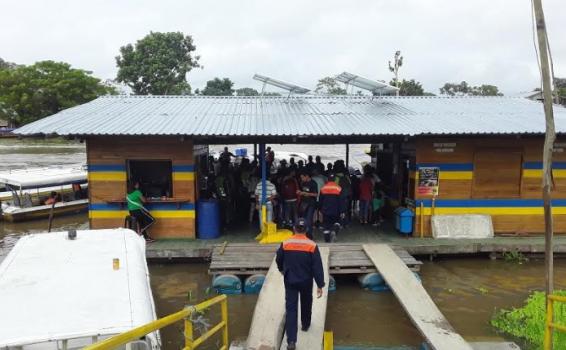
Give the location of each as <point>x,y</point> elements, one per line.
<point>467,290</point>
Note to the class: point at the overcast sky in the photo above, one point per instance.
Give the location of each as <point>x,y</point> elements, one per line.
<point>480,41</point>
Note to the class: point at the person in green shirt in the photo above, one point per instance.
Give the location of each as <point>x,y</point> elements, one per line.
<point>135,200</point>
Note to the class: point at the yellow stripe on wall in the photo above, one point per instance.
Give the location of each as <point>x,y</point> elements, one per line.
<point>107,176</point>
<point>492,211</point>
<point>158,214</point>
<point>453,175</point>
<point>183,176</point>
<point>537,173</point>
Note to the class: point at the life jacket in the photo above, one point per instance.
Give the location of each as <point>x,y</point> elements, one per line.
<point>331,188</point>
<point>299,243</point>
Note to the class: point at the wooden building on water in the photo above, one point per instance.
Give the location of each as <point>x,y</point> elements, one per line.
<point>455,155</point>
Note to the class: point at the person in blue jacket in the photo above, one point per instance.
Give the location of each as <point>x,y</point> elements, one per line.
<point>332,204</point>
<point>298,259</point>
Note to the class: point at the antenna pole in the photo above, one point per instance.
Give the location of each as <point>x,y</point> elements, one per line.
<point>550,136</point>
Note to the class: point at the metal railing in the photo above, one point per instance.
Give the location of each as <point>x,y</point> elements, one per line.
<point>185,314</point>
<point>550,326</point>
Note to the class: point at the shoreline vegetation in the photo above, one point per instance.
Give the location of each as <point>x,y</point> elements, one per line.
<point>527,322</point>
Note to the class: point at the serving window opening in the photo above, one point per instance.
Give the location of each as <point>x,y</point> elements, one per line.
<point>155,177</point>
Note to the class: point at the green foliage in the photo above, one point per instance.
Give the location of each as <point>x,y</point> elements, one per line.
<point>397,62</point>
<point>464,89</point>
<point>330,86</point>
<point>6,64</point>
<point>29,93</point>
<point>158,64</point>
<point>271,94</point>
<point>528,321</point>
<point>515,256</point>
<point>409,87</point>
<point>218,87</point>
<point>247,92</point>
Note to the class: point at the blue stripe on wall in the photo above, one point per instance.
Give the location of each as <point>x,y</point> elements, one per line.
<point>448,166</point>
<point>150,206</point>
<point>106,167</point>
<point>183,168</point>
<point>463,203</point>
<point>538,165</point>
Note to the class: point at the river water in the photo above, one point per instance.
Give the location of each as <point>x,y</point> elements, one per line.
<point>467,291</point>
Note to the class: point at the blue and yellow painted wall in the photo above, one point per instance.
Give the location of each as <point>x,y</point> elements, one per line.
<point>107,176</point>
<point>496,176</point>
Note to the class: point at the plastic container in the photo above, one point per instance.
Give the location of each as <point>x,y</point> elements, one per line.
<point>253,284</point>
<point>208,219</point>
<point>227,284</point>
<point>241,152</point>
<point>404,220</point>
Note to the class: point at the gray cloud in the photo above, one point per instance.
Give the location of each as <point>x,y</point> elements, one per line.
<point>481,41</point>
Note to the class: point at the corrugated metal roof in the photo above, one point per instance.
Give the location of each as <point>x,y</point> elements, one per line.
<point>298,116</point>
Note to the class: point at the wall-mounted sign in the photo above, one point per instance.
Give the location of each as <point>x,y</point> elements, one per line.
<point>444,147</point>
<point>559,147</point>
<point>428,181</point>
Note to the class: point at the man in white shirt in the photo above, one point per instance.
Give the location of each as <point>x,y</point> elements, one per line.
<point>270,194</point>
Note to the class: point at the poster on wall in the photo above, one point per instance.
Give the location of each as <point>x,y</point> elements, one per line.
<point>428,181</point>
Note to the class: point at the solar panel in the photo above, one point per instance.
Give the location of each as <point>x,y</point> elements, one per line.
<point>292,88</point>
<point>366,84</point>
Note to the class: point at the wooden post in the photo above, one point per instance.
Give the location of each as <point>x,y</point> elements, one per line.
<point>550,136</point>
<point>50,220</point>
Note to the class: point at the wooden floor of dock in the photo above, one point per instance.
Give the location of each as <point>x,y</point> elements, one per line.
<point>423,312</point>
<point>252,258</point>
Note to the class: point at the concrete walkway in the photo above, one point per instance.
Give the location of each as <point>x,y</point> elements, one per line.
<point>178,248</point>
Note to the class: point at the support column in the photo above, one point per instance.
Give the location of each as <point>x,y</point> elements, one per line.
<point>263,198</point>
<point>347,155</point>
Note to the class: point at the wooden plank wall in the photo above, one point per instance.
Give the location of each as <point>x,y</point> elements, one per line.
<point>107,157</point>
<point>479,175</point>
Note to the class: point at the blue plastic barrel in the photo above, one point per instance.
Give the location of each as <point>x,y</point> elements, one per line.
<point>208,219</point>
<point>404,220</point>
<point>227,284</point>
<point>253,284</point>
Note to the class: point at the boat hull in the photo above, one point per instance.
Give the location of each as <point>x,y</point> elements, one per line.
<point>43,212</point>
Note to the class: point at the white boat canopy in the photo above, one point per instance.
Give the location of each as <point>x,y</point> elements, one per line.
<point>43,177</point>
<point>53,288</point>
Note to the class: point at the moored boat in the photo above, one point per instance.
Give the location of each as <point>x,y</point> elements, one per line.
<point>60,292</point>
<point>25,194</point>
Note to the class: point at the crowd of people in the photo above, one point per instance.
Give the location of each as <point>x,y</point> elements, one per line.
<point>327,197</point>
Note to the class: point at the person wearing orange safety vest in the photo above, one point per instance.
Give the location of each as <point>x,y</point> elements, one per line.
<point>298,259</point>
<point>332,205</point>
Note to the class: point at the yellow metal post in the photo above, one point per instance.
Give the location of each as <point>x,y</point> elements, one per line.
<point>548,324</point>
<point>189,341</point>
<point>224,310</point>
<point>421,219</point>
<point>328,341</point>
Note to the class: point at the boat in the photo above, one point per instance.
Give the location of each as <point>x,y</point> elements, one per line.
<point>23,192</point>
<point>60,292</point>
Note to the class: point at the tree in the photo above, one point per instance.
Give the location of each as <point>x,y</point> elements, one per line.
<point>330,86</point>
<point>409,87</point>
<point>6,64</point>
<point>158,64</point>
<point>464,89</point>
<point>218,87</point>
<point>247,92</point>
<point>29,93</point>
<point>394,68</point>
<point>560,84</point>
